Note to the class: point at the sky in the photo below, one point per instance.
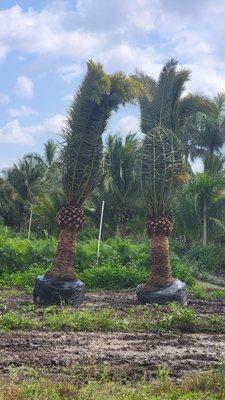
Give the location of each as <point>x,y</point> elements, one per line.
<point>45,44</point>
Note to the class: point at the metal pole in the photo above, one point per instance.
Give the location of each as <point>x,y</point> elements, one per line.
<point>30,222</point>
<point>100,231</point>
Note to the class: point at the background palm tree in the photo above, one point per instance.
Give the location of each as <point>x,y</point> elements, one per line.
<point>164,111</point>
<point>199,208</point>
<point>18,188</point>
<point>81,156</point>
<point>205,132</point>
<point>50,154</point>
<point>121,181</point>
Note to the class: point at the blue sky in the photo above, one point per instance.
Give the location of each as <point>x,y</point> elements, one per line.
<point>44,46</point>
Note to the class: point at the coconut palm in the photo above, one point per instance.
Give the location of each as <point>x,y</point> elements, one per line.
<point>98,96</point>
<point>50,154</point>
<point>164,110</point>
<point>199,209</point>
<point>18,188</point>
<point>206,132</point>
<point>121,183</point>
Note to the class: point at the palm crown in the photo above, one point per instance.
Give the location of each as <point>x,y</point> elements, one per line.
<point>98,96</point>
<point>164,110</point>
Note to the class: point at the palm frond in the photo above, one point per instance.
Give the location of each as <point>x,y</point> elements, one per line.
<point>97,97</point>
<point>161,162</point>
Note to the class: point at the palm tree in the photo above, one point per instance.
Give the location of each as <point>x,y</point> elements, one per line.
<point>98,96</point>
<point>205,132</point>
<point>18,187</point>
<point>121,183</point>
<point>199,209</point>
<point>50,154</point>
<point>164,111</point>
<point>46,208</point>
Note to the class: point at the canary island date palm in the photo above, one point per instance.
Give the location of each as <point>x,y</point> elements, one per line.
<point>164,110</point>
<point>121,182</point>
<point>98,96</point>
<point>161,164</point>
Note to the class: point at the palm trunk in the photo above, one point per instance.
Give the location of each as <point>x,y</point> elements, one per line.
<point>63,267</point>
<point>161,273</point>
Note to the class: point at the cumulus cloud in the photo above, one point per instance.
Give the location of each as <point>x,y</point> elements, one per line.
<point>22,111</point>
<point>43,32</point>
<point>13,133</point>
<point>121,34</point>
<point>24,86</point>
<point>128,124</point>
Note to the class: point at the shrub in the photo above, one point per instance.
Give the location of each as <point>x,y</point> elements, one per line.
<point>86,256</point>
<point>113,277</point>
<point>19,254</point>
<point>22,279</point>
<point>210,257</point>
<point>129,252</point>
<point>182,271</point>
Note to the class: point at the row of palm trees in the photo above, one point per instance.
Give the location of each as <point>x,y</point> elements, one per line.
<point>131,175</point>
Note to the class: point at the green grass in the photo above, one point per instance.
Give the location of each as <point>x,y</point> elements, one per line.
<point>200,291</point>
<point>209,385</point>
<point>138,319</point>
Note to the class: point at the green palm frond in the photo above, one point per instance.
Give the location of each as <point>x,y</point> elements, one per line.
<point>121,184</point>
<point>161,163</point>
<point>190,105</point>
<point>98,95</point>
<point>161,103</point>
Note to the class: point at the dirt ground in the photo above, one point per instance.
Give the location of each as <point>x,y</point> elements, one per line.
<point>136,355</point>
<point>130,355</point>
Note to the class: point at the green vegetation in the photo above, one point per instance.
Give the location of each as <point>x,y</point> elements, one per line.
<point>139,319</point>
<point>208,385</point>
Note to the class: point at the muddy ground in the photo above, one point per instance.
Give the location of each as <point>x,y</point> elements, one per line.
<point>132,355</point>
<point>127,355</point>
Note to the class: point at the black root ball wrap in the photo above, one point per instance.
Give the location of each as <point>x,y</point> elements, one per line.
<point>70,217</point>
<point>159,226</point>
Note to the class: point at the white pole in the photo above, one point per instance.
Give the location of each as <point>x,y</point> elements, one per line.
<point>100,231</point>
<point>30,222</point>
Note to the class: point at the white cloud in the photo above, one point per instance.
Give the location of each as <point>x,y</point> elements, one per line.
<point>22,111</point>
<point>24,86</point>
<point>69,72</point>
<point>4,98</point>
<point>13,133</point>
<point>118,33</point>
<point>128,124</point>
<point>53,30</point>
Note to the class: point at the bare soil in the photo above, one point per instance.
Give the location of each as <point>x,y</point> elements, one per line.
<point>132,355</point>
<point>127,355</point>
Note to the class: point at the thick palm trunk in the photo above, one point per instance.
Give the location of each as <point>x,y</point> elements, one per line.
<point>63,267</point>
<point>161,274</point>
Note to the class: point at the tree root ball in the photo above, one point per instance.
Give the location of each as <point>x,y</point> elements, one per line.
<point>177,291</point>
<point>50,290</point>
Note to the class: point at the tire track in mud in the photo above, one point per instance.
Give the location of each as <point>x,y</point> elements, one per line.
<point>123,351</point>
